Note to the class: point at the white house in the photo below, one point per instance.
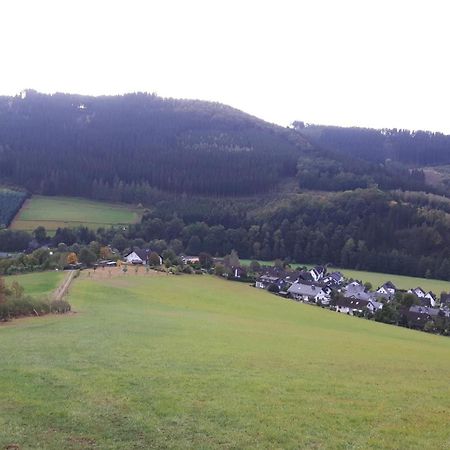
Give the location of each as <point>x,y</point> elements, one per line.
<point>387,288</point>
<point>418,291</point>
<point>308,292</point>
<point>140,256</point>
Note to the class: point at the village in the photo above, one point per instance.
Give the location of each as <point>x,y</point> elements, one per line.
<point>416,307</point>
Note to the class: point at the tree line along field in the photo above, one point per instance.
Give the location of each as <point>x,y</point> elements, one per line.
<point>200,362</point>
<point>10,203</point>
<point>55,212</point>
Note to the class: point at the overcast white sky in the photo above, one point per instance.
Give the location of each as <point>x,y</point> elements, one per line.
<point>347,62</point>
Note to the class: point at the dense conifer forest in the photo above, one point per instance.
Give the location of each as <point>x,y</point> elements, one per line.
<point>126,148</point>
<point>419,148</point>
<point>86,146</point>
<point>10,203</point>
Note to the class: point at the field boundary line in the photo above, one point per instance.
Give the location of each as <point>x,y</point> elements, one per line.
<point>63,288</point>
<point>15,218</point>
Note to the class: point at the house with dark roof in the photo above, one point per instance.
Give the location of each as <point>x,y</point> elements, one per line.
<point>387,288</point>
<point>418,292</point>
<point>139,256</point>
<point>352,305</point>
<point>264,281</point>
<point>318,272</point>
<point>426,298</point>
<point>334,279</point>
<point>357,291</point>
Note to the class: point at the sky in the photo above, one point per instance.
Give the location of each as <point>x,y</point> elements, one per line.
<point>350,63</point>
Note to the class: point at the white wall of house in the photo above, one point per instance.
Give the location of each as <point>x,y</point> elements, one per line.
<point>133,258</point>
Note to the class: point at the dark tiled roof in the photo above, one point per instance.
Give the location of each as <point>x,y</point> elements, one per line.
<point>352,303</point>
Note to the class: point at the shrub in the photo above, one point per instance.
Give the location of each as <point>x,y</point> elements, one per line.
<point>23,306</point>
<point>60,306</point>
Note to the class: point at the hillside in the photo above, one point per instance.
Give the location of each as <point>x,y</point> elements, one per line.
<point>417,148</point>
<point>78,145</point>
<point>131,148</point>
<point>199,362</point>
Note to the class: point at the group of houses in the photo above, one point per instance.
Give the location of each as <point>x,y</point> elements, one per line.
<point>331,290</point>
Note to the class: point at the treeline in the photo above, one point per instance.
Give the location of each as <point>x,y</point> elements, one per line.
<point>89,146</point>
<point>364,229</point>
<point>10,203</point>
<point>410,147</point>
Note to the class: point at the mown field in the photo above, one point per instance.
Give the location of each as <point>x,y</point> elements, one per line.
<point>377,279</point>
<point>400,281</point>
<point>199,362</point>
<point>54,212</point>
<point>38,283</point>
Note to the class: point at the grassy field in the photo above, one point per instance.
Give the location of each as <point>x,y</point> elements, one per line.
<point>38,283</point>
<point>54,212</point>
<point>198,362</point>
<point>400,281</point>
<point>377,279</point>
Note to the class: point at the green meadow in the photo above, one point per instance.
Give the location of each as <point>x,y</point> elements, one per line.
<point>198,362</point>
<point>54,212</point>
<point>38,283</point>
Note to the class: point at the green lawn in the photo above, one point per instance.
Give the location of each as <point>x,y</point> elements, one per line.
<point>199,362</point>
<point>54,212</point>
<point>377,279</point>
<point>400,281</point>
<point>38,283</point>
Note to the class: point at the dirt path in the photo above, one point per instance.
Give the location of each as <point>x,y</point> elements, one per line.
<point>62,289</point>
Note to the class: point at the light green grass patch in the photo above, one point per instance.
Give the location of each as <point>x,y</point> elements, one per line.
<point>54,212</point>
<point>199,362</point>
<point>400,281</point>
<point>38,283</point>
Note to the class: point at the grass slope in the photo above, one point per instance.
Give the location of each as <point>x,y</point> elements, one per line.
<point>38,283</point>
<point>199,362</point>
<point>377,279</point>
<point>400,281</point>
<point>54,212</point>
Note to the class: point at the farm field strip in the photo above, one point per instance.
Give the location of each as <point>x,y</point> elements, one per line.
<point>54,212</point>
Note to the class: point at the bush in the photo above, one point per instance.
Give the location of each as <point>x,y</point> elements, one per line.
<point>60,306</point>
<point>23,306</point>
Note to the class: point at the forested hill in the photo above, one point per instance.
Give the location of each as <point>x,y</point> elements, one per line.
<point>78,145</point>
<point>415,148</point>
